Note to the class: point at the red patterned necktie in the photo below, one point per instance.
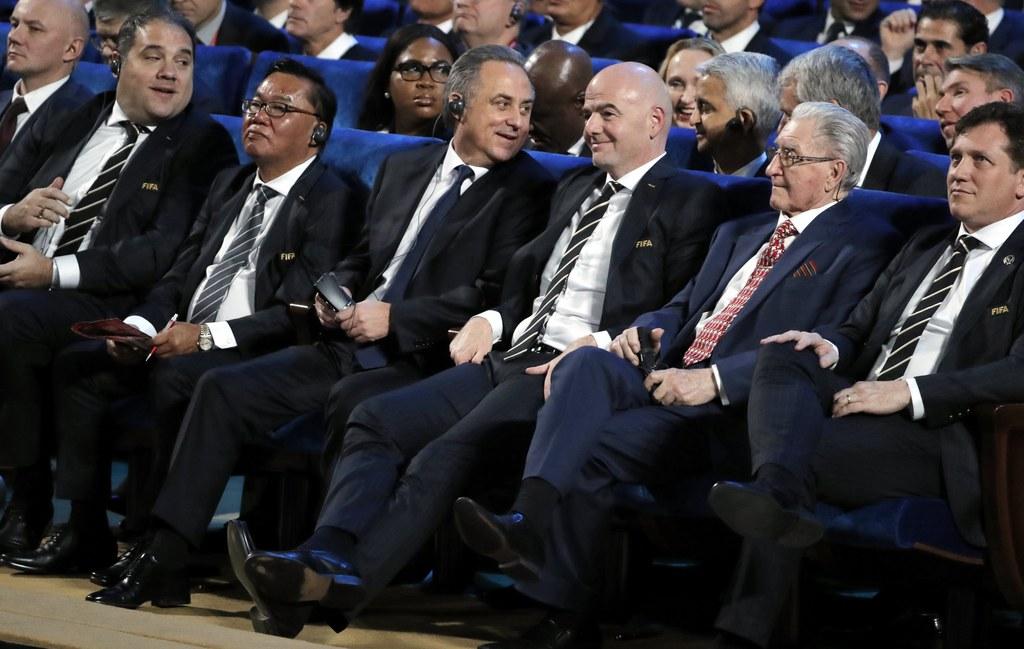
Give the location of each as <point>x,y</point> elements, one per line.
<point>715,328</point>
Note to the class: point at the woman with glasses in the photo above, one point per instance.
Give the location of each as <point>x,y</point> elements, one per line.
<point>406,88</point>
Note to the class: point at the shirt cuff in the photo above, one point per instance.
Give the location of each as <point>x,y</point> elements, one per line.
<point>895,65</point>
<point>3,211</point>
<point>719,386</point>
<point>494,319</point>
<point>836,350</point>
<point>66,266</point>
<point>140,323</point>
<point>223,337</point>
<point>603,339</point>
<point>916,402</point>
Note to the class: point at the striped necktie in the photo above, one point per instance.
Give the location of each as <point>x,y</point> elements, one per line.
<point>588,223</point>
<point>910,333</point>
<point>81,219</point>
<point>237,256</point>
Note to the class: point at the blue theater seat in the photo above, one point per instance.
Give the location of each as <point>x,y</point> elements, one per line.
<point>745,196</point>
<point>374,43</point>
<point>913,133</point>
<point>346,78</point>
<point>558,165</point>
<point>793,48</point>
<point>378,17</point>
<point>220,76</point>
<point>357,155</point>
<point>597,63</point>
<point>939,160</point>
<point>682,149</point>
<point>94,76</point>
<point>233,125</point>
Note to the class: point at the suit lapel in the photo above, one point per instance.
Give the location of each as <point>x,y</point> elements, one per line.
<point>642,205</point>
<point>149,156</point>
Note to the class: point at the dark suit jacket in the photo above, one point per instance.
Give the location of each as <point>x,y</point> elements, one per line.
<point>901,103</point>
<point>311,232</point>
<point>152,206</point>
<point>981,362</point>
<point>659,246</point>
<point>807,28</point>
<point>893,170</point>
<point>662,12</point>
<point>606,38</point>
<point>241,27</point>
<point>1008,38</point>
<point>66,99</point>
<point>463,268</point>
<point>359,53</point>
<point>822,275</point>
<point>761,44</point>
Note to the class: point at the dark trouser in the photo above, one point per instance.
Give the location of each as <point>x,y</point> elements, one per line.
<point>407,454</point>
<point>850,462</point>
<point>243,404</point>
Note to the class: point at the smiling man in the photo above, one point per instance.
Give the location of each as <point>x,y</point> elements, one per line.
<point>322,28</point>
<point>972,81</point>
<point>93,211</point>
<point>877,408</point>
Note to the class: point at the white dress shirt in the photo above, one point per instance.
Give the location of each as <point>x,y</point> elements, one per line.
<point>107,139</point>
<point>738,42</point>
<point>932,344</point>
<point>278,20</point>
<point>739,280</point>
<point>579,308</point>
<point>829,21</point>
<point>574,36</point>
<point>577,149</point>
<point>207,32</point>
<point>34,99</point>
<point>338,47</point>
<point>872,149</point>
<point>440,183</point>
<point>993,19</point>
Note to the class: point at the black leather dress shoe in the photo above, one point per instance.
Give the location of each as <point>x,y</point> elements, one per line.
<point>306,576</point>
<point>549,634</point>
<point>64,551</point>
<point>22,527</point>
<point>753,511</point>
<point>115,572</point>
<point>146,580</point>
<point>505,538</point>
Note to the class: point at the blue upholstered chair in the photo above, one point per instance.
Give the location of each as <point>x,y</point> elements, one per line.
<point>793,48</point>
<point>682,149</point>
<point>912,133</point>
<point>374,43</point>
<point>94,76</point>
<point>780,9</point>
<point>939,160</point>
<point>220,76</point>
<point>558,165</point>
<point>379,16</point>
<point>597,63</point>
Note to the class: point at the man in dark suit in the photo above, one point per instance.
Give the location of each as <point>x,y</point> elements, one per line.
<point>587,23</point>
<point>608,421</point>
<point>46,40</point>
<point>488,23</point>
<point>876,408</point>
<point>974,80</point>
<point>96,208</point>
<point>442,224</point>
<point>842,19</point>
<point>219,22</point>
<point>734,25</point>
<point>836,74</point>
<point>681,14</point>
<point>648,242</point>
<point>322,29</point>
<point>265,234</point>
<point>110,15</point>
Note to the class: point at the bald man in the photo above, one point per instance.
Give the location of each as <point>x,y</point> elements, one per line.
<point>560,72</point>
<point>623,235</point>
<point>46,40</point>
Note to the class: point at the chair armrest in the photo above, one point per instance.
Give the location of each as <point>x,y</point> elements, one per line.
<point>1001,458</point>
<point>303,318</point>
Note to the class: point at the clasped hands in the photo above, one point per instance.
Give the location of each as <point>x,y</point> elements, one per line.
<point>363,322</point>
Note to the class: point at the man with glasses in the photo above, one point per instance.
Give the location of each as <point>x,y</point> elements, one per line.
<point>265,233</point>
<point>614,416</point>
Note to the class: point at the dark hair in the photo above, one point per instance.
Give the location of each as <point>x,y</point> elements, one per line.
<point>353,18</point>
<point>131,27</point>
<point>998,71</point>
<point>126,7</point>
<point>324,102</point>
<point>378,111</point>
<point>1009,117</point>
<point>465,75</point>
<point>969,21</point>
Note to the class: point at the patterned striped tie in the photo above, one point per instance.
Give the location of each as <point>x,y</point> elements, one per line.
<point>588,223</point>
<point>81,219</point>
<point>715,328</point>
<point>208,303</point>
<point>910,333</point>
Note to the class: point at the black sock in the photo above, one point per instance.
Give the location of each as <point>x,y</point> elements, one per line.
<point>332,539</point>
<point>169,548</point>
<point>89,518</point>
<point>536,501</point>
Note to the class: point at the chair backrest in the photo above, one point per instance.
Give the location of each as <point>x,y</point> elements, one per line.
<point>682,149</point>
<point>745,196</point>
<point>597,63</point>
<point>357,155</point>
<point>94,76</point>
<point>233,125</point>
<point>220,76</point>
<point>374,43</point>
<point>346,78</point>
<point>912,133</point>
<point>938,160</point>
<point>793,48</point>
<point>378,17</point>
<point>906,213</point>
<point>557,164</point>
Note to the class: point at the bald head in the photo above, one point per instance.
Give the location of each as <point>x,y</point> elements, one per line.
<point>628,113</point>
<point>560,72</point>
<point>46,40</point>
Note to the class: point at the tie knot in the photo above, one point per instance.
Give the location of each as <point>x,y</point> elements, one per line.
<point>610,189</point>
<point>132,129</point>
<point>967,242</point>
<point>462,174</point>
<point>264,193</point>
<point>785,229</point>
<point>18,106</point>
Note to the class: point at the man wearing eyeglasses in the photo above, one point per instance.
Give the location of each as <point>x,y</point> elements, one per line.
<point>615,417</point>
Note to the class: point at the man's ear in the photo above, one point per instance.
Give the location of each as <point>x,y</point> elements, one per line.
<point>74,50</point>
<point>747,118</point>
<point>978,48</point>
<point>341,16</point>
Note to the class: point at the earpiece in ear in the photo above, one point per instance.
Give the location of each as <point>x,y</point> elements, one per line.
<point>319,135</point>
<point>115,65</point>
<point>517,13</point>
<point>456,107</point>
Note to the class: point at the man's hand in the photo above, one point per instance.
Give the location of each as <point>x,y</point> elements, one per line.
<point>473,342</point>
<point>126,353</point>
<point>676,387</point>
<point>897,33</point>
<point>182,338</point>
<point>30,269</point>
<point>41,208</point>
<point>872,398</point>
<point>548,368</point>
<point>366,321</point>
<point>325,313</point>
<point>827,354</point>
<point>929,92</point>
<point>627,344</point>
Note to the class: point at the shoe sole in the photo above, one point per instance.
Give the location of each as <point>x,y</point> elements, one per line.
<point>240,546</point>
<point>292,581</point>
<point>759,516</point>
<point>482,536</point>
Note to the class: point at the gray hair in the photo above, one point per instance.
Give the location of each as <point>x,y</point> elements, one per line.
<point>845,136</point>
<point>750,82</point>
<point>836,74</point>
<point>999,72</point>
<point>465,73</point>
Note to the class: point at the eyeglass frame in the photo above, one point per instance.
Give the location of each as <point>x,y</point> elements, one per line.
<point>797,160</point>
<point>264,105</point>
<point>423,69</point>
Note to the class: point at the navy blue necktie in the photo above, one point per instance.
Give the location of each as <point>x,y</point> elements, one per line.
<point>372,356</point>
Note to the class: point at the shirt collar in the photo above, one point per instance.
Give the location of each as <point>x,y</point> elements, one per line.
<point>632,179</point>
<point>748,170</point>
<point>283,184</point>
<point>37,97</point>
<point>447,25</point>
<point>993,19</point>
<point>872,149</point>
<point>738,42</point>
<point>279,20</point>
<point>117,115</point>
<point>338,47</point>
<point>995,234</point>
<point>830,20</point>
<point>452,160</point>
<point>573,36</point>
<point>207,32</point>
<point>803,219</point>
<point>576,149</point>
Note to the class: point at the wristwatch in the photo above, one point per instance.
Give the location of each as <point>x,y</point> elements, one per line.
<point>205,342</point>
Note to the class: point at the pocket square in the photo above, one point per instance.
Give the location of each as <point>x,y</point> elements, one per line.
<point>151,187</point>
<point>807,269</point>
<point>286,256</point>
